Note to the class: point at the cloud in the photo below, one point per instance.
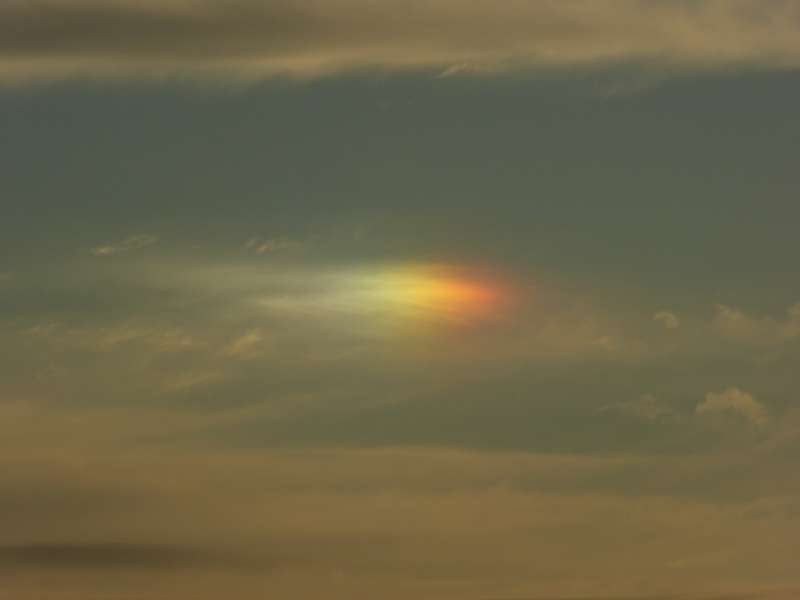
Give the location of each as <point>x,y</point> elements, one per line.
<point>668,319</point>
<point>247,346</point>
<point>135,242</point>
<point>377,513</point>
<point>51,39</point>
<point>160,340</point>
<point>172,511</point>
<point>339,307</point>
<point>266,246</point>
<point>192,380</point>
<point>106,556</point>
<point>737,402</point>
<point>735,323</point>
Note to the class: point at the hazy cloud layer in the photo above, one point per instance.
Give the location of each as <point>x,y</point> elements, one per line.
<point>44,39</point>
<point>395,518</point>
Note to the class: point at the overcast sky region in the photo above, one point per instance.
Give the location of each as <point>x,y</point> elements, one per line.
<point>419,300</point>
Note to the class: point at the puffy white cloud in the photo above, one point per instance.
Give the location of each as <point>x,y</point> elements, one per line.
<point>737,402</point>
<point>668,319</point>
<point>735,323</point>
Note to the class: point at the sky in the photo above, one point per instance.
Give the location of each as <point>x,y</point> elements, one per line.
<point>436,300</point>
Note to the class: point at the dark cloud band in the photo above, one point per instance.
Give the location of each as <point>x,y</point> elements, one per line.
<point>108,556</point>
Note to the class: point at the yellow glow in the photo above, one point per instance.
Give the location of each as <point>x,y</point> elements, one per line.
<point>427,293</point>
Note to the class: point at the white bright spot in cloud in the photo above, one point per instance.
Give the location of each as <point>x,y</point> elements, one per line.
<point>736,402</point>
<point>668,319</point>
<point>411,294</point>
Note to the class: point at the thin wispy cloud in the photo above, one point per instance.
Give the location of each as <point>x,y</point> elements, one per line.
<point>135,242</point>
<point>270,245</point>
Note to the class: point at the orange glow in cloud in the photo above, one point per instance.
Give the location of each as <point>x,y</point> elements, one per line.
<point>406,296</point>
<point>429,293</point>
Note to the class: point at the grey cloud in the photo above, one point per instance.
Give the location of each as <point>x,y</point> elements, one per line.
<point>56,38</point>
<point>108,555</point>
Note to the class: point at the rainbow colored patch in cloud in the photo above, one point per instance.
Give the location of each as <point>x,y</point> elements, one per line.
<point>427,296</point>
<point>424,294</point>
